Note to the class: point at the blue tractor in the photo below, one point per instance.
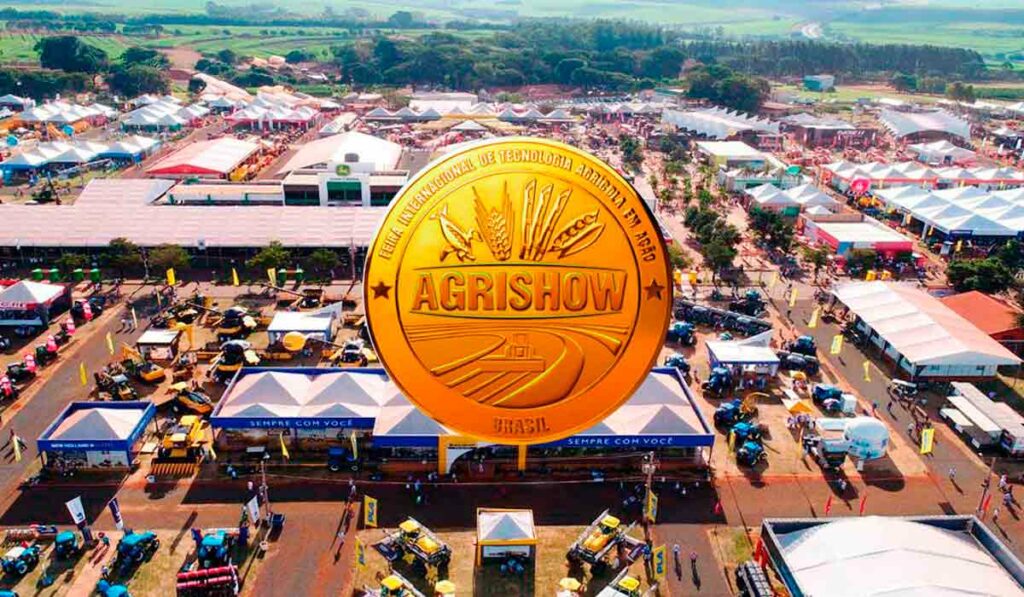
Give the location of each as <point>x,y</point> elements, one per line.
<point>65,545</point>
<point>679,362</point>
<point>7,593</point>
<point>19,560</point>
<point>215,550</point>
<point>828,396</point>
<point>750,453</point>
<point>133,549</point>
<point>681,332</point>
<point>745,431</point>
<point>803,345</point>
<point>751,304</point>
<point>106,589</point>
<point>729,413</point>
<point>719,382</point>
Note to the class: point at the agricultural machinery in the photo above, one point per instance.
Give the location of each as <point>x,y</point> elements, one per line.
<point>750,453</point>
<point>133,549</point>
<point>678,361</point>
<point>414,539</point>
<point>596,543</point>
<point>752,304</point>
<point>803,345</point>
<point>681,332</point>
<point>19,560</point>
<point>66,546</point>
<point>791,361</point>
<point>215,550</point>
<point>719,382</point>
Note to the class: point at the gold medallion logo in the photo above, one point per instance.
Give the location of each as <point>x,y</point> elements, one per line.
<point>518,291</point>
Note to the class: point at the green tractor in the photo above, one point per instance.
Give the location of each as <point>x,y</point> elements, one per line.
<point>19,560</point>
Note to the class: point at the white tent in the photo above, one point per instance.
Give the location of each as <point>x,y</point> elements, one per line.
<point>28,293</point>
<point>469,126</point>
<point>876,556</point>
<point>100,424</point>
<point>919,331</point>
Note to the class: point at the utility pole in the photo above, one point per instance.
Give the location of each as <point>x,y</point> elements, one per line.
<point>264,490</point>
<point>985,485</point>
<point>649,467</point>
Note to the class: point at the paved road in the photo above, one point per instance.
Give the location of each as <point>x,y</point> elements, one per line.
<point>41,404</point>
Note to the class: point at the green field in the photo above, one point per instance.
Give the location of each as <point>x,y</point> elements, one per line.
<point>995,28</point>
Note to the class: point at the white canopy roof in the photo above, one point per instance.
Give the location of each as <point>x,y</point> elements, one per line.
<point>876,556</point>
<point>739,353</point>
<point>98,424</point>
<point>940,149</point>
<point>717,123</point>
<point>901,124</point>
<point>300,321</point>
<point>289,394</point>
<point>921,327</point>
<point>505,525</point>
<point>29,292</point>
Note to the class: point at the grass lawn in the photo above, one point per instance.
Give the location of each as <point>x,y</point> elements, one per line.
<point>543,580</point>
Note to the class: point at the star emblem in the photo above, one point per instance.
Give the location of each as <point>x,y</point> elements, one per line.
<point>654,290</point>
<point>380,290</point>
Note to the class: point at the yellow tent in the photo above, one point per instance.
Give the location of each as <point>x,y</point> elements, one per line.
<point>797,407</point>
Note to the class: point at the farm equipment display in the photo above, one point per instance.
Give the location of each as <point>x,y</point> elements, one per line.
<point>87,310</point>
<point>113,381</point>
<point>183,440</point>
<point>678,361</point>
<point>605,534</point>
<point>719,382</point>
<point>208,582</point>
<point>8,391</point>
<point>393,585</point>
<point>20,372</point>
<point>105,589</point>
<point>681,332</point>
<point>745,431</point>
<point>902,389</point>
<point>733,411</point>
<point>625,585</point>
<point>234,355</point>
<point>65,545</point>
<point>236,323</point>
<point>750,453</point>
<point>752,304</point>
<point>133,549</point>
<point>19,560</point>
<point>804,345</point>
<point>418,546</point>
<point>214,549</point>
<point>829,397</point>
<point>732,321</point>
<point>137,366</point>
<point>193,400</point>
<point>790,361</point>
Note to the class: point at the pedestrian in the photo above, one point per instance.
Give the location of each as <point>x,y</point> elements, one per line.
<point>693,556</point>
<point>1003,483</point>
<point>249,485</point>
<point>910,429</point>
<point>1007,498</point>
<point>995,514</point>
<point>952,474</point>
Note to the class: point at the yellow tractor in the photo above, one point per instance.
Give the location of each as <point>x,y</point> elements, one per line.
<point>393,585</point>
<point>184,440</point>
<point>625,585</point>
<point>603,538</point>
<point>418,547</point>
<point>143,370</point>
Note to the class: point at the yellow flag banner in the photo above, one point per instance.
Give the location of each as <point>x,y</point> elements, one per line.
<point>927,440</point>
<point>360,554</point>
<point>110,343</point>
<point>792,297</point>
<point>837,345</point>
<point>213,453</point>
<point>16,441</point>
<point>171,278</point>
<point>234,277</point>
<point>659,562</point>
<point>959,246</point>
<point>732,440</point>
<point>284,448</point>
<point>272,276</point>
<point>369,511</point>
<point>355,444</point>
<point>82,375</point>
<point>813,323</point>
<point>867,371</point>
<point>774,279</point>
<point>135,319</point>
